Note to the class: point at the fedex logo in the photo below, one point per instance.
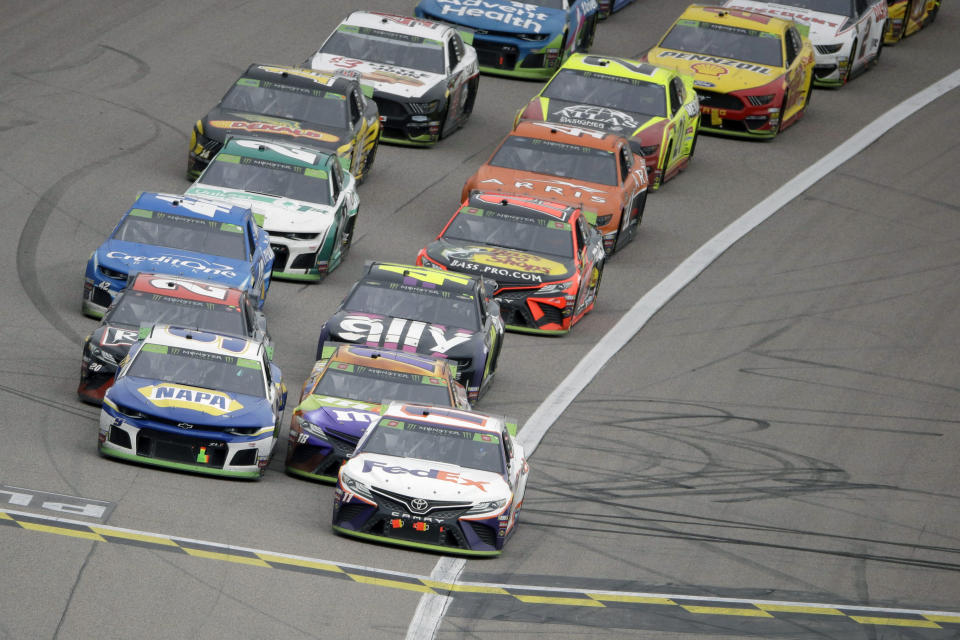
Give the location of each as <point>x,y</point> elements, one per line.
<point>437,474</point>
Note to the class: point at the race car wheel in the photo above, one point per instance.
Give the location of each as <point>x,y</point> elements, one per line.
<point>849,72</point>
<point>783,114</point>
<point>933,14</point>
<point>640,203</point>
<point>368,162</point>
<point>589,32</point>
<point>666,166</point>
<point>693,145</point>
<point>806,98</point>
<point>347,240</point>
<point>876,57</point>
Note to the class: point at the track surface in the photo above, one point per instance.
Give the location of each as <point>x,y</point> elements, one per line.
<point>785,429</point>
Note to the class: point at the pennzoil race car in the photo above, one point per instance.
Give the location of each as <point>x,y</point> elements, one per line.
<point>906,17</point>
<point>434,478</point>
<point>424,75</point>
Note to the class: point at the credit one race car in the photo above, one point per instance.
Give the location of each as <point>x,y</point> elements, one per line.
<point>424,76</point>
<point>752,72</point>
<point>194,401</point>
<point>546,258</point>
<point>152,298</point>
<point>422,310</point>
<point>847,35</point>
<point>907,17</point>
<point>182,236</point>
<point>294,105</point>
<point>343,396</point>
<point>302,197</point>
<point>590,169</point>
<point>655,108</point>
<point>519,39</point>
<point>434,478</point>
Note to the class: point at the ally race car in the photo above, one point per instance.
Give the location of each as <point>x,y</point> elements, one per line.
<point>424,75</point>
<point>152,298</point>
<point>344,394</point>
<point>182,236</point>
<point>434,478</point>
<point>907,17</point>
<point>194,401</point>
<point>422,310</point>
<point>302,197</point>
<point>546,258</point>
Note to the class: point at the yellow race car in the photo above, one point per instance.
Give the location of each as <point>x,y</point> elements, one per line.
<point>906,17</point>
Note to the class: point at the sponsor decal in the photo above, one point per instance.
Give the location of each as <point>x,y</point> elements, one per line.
<point>570,131</point>
<point>789,15</point>
<point>200,207</point>
<point>406,20</point>
<point>502,261</point>
<point>355,416</point>
<point>295,153</point>
<point>194,264</point>
<point>709,69</point>
<point>557,186</point>
<point>528,17</point>
<point>381,73</point>
<point>407,334</point>
<point>734,64</point>
<point>117,337</point>
<point>704,84</point>
<point>214,403</point>
<point>279,129</point>
<point>300,73</point>
<point>594,116</point>
<point>436,474</point>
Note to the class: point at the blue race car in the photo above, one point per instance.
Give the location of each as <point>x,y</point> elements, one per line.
<point>183,236</point>
<point>518,39</point>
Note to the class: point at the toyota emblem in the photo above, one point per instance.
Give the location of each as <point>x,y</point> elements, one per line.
<point>419,505</point>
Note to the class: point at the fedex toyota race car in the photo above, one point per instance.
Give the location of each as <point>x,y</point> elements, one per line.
<point>302,197</point>
<point>194,401</point>
<point>847,35</point>
<point>181,236</point>
<point>424,75</point>
<point>519,39</point>
<point>434,478</point>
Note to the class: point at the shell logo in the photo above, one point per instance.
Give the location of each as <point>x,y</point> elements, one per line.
<point>709,69</point>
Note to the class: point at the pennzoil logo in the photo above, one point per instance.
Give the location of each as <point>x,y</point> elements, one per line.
<point>280,129</point>
<point>183,397</point>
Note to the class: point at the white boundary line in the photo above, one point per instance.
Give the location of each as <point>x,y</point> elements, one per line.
<point>534,429</point>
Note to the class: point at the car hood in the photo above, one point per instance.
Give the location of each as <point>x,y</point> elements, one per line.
<point>713,72</point>
<point>115,339</point>
<point>506,266</point>
<point>279,214</point>
<point>130,257</point>
<point>220,122</point>
<point>191,405</point>
<point>340,416</point>
<point>426,478</point>
<point>503,17</point>
<point>822,25</point>
<point>388,79</point>
<point>590,195</point>
<point>415,336</point>
<point>578,114</point>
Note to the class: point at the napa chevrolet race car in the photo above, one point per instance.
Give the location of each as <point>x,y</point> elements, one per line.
<point>428,311</point>
<point>194,401</point>
<point>180,236</point>
<point>847,35</point>
<point>434,478</point>
<point>519,39</point>
<point>655,108</point>
<point>585,168</point>
<point>906,17</point>
<point>293,105</point>
<point>546,258</point>
<point>424,75</point>
<point>302,197</point>
<point>344,394</point>
<point>753,73</point>
<point>152,298</point>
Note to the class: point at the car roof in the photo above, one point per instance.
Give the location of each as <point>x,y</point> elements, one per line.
<point>299,77</point>
<point>523,206</point>
<point>187,289</point>
<point>388,359</point>
<point>445,417</point>
<point>191,207</point>
<point>385,272</point>
<point>618,67</point>
<point>567,134</point>
<point>394,23</point>
<point>276,151</point>
<point>205,341</point>
<point>752,20</point>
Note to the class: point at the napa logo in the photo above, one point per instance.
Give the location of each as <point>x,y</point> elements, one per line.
<point>183,397</point>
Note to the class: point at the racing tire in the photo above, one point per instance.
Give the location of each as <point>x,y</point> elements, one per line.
<point>347,241</point>
<point>589,33</point>
<point>368,162</point>
<point>853,54</point>
<point>641,204</point>
<point>693,145</point>
<point>876,57</point>
<point>783,115</point>
<point>666,165</point>
<point>806,98</point>
<point>933,14</point>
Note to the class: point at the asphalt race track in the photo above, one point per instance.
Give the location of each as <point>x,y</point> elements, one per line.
<point>773,456</point>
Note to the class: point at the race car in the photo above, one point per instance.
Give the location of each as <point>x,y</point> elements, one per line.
<point>422,310</point>
<point>434,478</point>
<point>906,17</point>
<point>181,236</point>
<point>302,197</point>
<point>847,35</point>
<point>424,75</point>
<point>654,107</point>
<point>585,168</point>
<point>519,39</point>
<point>293,105</point>
<point>546,258</point>
<point>343,396</point>
<point>605,8</point>
<point>753,73</point>
<point>194,401</point>
<point>152,298</point>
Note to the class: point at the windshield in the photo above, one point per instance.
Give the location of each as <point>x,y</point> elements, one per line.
<point>636,96</point>
<point>314,106</point>
<point>394,49</point>
<point>369,384</point>
<point>199,369</point>
<point>502,229</point>
<point>730,42</point>
<point>836,7</point>
<point>182,232</point>
<point>269,178</point>
<point>557,159</point>
<point>137,307</point>
<point>416,303</point>
<point>461,447</point>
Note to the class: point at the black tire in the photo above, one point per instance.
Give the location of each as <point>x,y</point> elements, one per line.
<point>853,56</point>
<point>368,162</point>
<point>586,41</point>
<point>641,204</point>
<point>783,114</point>
<point>933,14</point>
<point>596,289</point>
<point>347,240</point>
<point>666,165</point>
<point>876,57</point>
<point>806,99</point>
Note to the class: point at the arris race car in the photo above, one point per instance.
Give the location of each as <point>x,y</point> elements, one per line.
<point>292,105</point>
<point>194,401</point>
<point>152,298</point>
<point>424,76</point>
<point>585,168</point>
<point>182,236</point>
<point>847,35</point>
<point>343,396</point>
<point>420,310</point>
<point>302,197</point>
<point>655,108</point>
<point>907,17</point>
<point>752,72</point>
<point>546,258</point>
<point>519,39</point>
<point>434,478</point>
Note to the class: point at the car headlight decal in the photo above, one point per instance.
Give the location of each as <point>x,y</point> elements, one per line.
<point>487,506</point>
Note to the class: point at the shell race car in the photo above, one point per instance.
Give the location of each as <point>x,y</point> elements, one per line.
<point>519,39</point>
<point>847,35</point>
<point>421,310</point>
<point>294,105</point>
<point>907,17</point>
<point>585,168</point>
<point>752,72</point>
<point>302,197</point>
<point>152,298</point>
<point>183,236</point>
<point>424,75</point>
<point>655,108</point>
<point>343,396</point>
<point>546,258</point>
<point>194,401</point>
<point>434,478</point>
